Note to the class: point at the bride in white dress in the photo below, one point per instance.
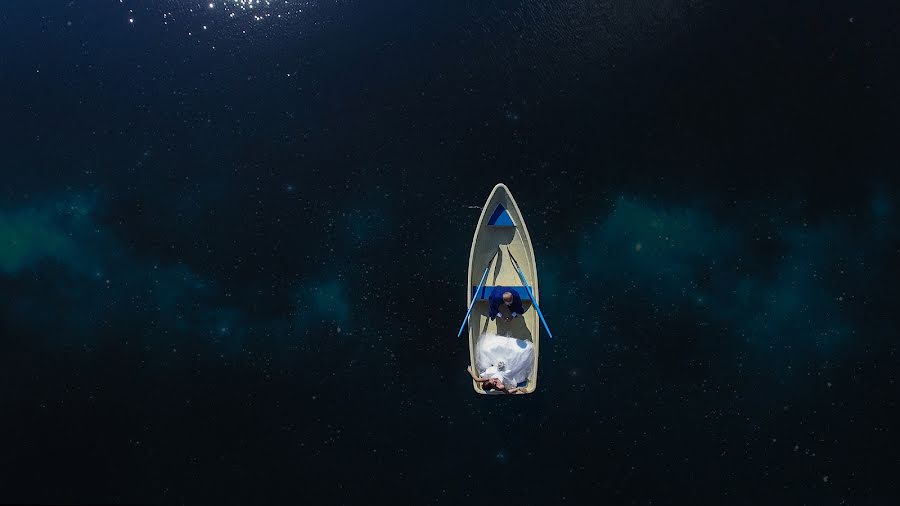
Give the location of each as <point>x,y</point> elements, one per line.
<point>503,362</point>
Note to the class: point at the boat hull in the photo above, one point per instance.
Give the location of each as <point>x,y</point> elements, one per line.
<point>494,242</point>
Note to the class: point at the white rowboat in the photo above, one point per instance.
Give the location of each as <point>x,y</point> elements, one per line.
<point>500,245</point>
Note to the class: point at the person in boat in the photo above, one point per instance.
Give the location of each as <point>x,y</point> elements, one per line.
<point>504,298</point>
<point>503,363</point>
<point>497,384</point>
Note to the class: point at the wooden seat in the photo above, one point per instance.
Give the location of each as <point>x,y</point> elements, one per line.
<point>485,292</point>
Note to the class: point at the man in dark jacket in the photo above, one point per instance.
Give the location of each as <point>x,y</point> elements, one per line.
<point>504,296</point>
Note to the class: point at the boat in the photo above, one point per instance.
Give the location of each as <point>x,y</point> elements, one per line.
<point>502,255</point>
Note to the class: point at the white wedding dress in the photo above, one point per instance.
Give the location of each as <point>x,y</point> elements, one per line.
<point>507,358</point>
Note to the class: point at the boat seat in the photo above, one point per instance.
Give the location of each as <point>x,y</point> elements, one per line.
<point>485,292</point>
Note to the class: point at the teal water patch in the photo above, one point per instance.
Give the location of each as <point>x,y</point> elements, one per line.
<point>59,230</point>
<point>29,236</point>
<point>654,245</point>
<point>79,280</point>
<point>687,261</point>
<point>882,206</point>
<point>323,302</point>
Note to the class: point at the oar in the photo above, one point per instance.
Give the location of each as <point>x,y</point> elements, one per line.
<point>483,277</point>
<point>530,291</point>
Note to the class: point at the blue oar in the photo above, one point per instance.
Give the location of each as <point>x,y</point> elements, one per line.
<point>474,298</point>
<point>530,292</point>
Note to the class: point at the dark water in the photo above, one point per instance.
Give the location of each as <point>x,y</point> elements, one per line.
<point>233,250</point>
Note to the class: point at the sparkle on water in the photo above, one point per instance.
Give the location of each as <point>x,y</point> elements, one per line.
<point>183,10</point>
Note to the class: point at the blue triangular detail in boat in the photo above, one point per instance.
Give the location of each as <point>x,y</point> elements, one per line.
<point>501,217</point>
